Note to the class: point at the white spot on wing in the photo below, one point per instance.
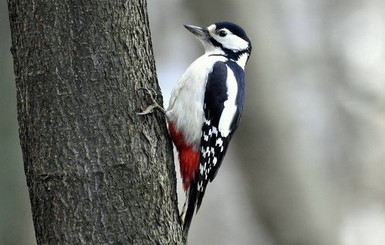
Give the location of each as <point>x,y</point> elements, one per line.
<point>215,131</point>
<point>219,142</point>
<point>212,150</point>
<point>200,186</point>
<point>215,160</point>
<point>205,137</point>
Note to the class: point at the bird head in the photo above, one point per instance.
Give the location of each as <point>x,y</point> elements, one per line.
<point>223,38</point>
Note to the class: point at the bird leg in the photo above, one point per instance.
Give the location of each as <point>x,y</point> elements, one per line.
<point>150,109</point>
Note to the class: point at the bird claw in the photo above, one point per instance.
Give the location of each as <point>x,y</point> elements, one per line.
<point>149,91</point>
<point>150,109</point>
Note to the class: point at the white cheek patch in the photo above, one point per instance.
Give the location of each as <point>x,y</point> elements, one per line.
<point>231,41</point>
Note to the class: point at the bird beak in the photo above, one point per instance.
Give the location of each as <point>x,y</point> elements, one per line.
<point>200,32</point>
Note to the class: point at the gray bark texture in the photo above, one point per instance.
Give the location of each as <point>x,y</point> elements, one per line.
<point>97,173</point>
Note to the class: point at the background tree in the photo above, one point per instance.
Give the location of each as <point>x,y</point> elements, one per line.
<point>96,172</point>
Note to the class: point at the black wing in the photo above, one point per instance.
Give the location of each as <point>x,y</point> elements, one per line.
<point>215,138</point>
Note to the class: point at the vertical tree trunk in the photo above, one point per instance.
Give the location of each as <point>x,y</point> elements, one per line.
<point>96,172</point>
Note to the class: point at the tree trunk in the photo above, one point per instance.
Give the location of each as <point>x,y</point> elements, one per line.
<point>97,173</point>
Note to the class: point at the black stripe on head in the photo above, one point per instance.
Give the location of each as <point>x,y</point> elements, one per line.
<point>230,53</point>
<point>236,30</point>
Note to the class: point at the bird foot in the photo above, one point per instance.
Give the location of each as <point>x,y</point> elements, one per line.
<point>150,109</point>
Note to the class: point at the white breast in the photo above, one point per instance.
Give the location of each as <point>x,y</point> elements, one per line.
<point>186,101</point>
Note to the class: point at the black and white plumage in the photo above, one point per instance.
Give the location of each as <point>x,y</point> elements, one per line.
<point>223,106</point>
<point>206,106</point>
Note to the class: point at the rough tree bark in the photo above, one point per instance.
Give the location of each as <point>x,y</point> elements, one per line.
<point>96,172</point>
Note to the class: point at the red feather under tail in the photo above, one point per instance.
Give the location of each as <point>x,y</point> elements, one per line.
<point>188,157</point>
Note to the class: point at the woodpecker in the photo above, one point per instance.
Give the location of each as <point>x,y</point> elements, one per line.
<point>205,108</point>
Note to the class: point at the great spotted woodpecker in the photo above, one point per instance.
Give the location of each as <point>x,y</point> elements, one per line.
<point>205,108</point>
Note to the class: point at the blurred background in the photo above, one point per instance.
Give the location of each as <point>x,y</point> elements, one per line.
<point>307,164</point>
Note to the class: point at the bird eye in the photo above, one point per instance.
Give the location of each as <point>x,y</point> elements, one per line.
<point>222,33</point>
